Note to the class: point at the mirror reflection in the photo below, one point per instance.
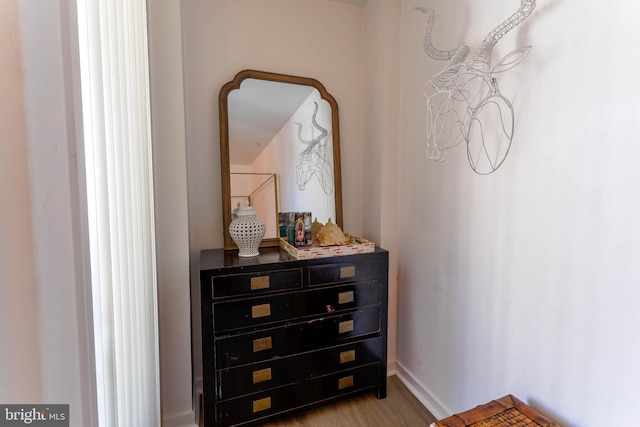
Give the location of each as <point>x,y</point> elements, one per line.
<point>282,149</point>
<point>259,190</point>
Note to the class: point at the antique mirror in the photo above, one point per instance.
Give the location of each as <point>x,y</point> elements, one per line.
<point>279,149</point>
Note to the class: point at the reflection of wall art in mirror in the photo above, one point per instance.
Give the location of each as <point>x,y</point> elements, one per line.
<point>315,159</point>
<point>264,117</point>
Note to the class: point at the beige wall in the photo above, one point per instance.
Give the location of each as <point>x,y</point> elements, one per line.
<point>381,139</point>
<point>170,192</point>
<point>526,281</point>
<point>46,357</point>
<point>44,284</point>
<point>521,282</point>
<point>310,38</point>
<point>20,374</point>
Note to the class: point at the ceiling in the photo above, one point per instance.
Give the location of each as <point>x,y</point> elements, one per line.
<point>353,2</point>
<point>257,112</point>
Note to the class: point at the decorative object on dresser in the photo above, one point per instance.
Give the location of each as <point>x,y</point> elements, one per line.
<point>506,411</point>
<point>281,335</point>
<point>247,231</point>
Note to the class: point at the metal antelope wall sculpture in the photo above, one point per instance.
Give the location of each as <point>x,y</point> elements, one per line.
<point>464,103</point>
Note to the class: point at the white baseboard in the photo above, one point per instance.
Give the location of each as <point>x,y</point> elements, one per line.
<point>197,386</point>
<point>197,397</point>
<point>185,419</point>
<point>422,393</point>
<point>391,368</point>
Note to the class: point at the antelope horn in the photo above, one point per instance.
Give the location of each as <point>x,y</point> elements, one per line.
<point>442,55</point>
<point>526,7</point>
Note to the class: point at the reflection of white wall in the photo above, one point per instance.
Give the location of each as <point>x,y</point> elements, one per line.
<point>259,191</point>
<point>263,200</point>
<point>282,155</point>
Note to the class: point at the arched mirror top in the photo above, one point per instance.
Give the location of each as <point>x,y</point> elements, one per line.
<point>279,149</point>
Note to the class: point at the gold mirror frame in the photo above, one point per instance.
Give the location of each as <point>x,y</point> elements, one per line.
<point>224,144</point>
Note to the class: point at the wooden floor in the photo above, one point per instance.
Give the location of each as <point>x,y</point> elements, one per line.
<point>400,408</point>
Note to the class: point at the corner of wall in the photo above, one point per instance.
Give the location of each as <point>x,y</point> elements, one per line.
<point>422,393</point>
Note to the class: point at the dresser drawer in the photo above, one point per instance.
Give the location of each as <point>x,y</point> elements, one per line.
<point>234,382</point>
<point>235,350</point>
<point>247,312</point>
<point>343,272</point>
<point>242,284</point>
<point>282,336</point>
<point>279,400</point>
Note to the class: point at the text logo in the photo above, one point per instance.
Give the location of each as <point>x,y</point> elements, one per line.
<point>34,415</point>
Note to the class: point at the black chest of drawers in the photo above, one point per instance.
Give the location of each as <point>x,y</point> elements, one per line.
<point>281,335</point>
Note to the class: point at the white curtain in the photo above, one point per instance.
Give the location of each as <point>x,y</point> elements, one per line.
<point>117,134</point>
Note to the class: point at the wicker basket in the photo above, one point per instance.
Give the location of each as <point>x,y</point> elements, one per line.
<point>505,412</point>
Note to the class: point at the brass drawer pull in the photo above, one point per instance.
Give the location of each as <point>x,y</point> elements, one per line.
<point>347,356</point>
<point>261,404</point>
<point>345,297</point>
<point>346,272</point>
<point>262,310</point>
<point>345,382</point>
<point>346,326</point>
<point>260,282</point>
<point>262,375</point>
<point>262,344</point>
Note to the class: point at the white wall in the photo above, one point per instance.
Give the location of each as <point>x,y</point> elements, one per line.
<point>310,38</point>
<point>381,139</point>
<point>47,355</point>
<point>519,282</point>
<point>526,281</point>
<point>172,235</point>
<point>20,371</point>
